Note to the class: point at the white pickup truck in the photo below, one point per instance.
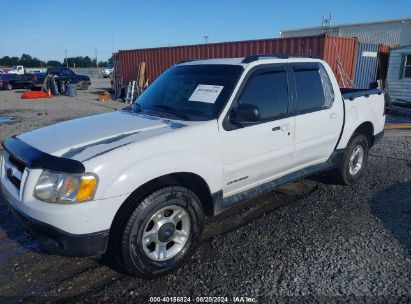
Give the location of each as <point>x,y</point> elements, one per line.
<point>17,69</point>
<point>206,135</point>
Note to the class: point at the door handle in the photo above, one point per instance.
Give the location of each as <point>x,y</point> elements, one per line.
<point>333,115</point>
<point>276,128</point>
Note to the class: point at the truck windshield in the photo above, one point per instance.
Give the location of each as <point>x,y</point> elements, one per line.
<point>190,92</point>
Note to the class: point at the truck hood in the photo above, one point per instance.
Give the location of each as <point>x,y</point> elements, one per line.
<point>88,137</point>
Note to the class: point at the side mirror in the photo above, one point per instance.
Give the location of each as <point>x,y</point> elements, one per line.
<point>245,114</point>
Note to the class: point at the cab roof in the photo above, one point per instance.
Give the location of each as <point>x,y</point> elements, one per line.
<point>244,61</point>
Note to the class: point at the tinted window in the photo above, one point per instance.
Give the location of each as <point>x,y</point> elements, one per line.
<point>269,92</point>
<point>407,68</point>
<point>67,72</point>
<point>310,93</point>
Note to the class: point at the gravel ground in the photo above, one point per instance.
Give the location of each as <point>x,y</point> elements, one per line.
<point>310,241</point>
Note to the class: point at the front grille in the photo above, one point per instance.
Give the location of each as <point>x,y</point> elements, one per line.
<point>18,164</point>
<point>14,180</point>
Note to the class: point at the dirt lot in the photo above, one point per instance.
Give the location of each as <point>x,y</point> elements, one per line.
<point>310,241</point>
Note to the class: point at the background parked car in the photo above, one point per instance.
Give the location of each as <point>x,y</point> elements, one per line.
<point>15,81</point>
<point>106,72</point>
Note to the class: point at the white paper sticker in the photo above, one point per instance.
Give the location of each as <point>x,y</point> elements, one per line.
<point>369,54</point>
<point>206,93</point>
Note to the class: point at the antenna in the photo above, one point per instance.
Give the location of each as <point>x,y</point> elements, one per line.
<point>326,23</point>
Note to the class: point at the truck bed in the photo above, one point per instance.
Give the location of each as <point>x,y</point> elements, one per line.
<point>351,94</point>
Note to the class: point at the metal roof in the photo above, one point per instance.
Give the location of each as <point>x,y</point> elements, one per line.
<point>401,20</point>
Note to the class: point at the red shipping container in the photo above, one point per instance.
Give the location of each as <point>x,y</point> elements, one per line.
<point>338,52</point>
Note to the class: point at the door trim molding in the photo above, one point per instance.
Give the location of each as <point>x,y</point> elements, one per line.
<point>221,204</point>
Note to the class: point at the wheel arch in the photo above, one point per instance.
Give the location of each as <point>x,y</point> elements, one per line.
<point>366,129</point>
<point>189,180</point>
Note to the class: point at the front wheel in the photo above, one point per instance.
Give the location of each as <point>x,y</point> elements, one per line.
<point>83,85</point>
<point>354,160</point>
<point>162,232</point>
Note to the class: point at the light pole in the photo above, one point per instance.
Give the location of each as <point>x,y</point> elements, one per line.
<point>96,59</point>
<point>65,51</point>
<point>206,38</point>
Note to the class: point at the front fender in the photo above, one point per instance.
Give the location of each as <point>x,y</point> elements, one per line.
<point>115,181</point>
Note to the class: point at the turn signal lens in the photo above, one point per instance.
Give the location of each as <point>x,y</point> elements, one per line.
<point>86,188</point>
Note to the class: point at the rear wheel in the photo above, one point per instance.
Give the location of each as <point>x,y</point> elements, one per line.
<point>161,232</point>
<point>354,160</point>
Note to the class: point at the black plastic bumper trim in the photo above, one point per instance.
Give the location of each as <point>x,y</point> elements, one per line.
<point>62,243</point>
<point>378,137</point>
<point>36,159</point>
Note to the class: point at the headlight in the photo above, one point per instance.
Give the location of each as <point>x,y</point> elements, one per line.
<point>58,187</point>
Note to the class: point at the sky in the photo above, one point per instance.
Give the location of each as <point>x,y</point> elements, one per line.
<point>45,29</point>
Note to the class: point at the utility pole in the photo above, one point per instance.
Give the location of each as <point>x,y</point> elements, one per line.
<point>65,51</point>
<point>206,38</point>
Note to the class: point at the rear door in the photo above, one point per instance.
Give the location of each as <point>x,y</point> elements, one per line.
<point>255,153</point>
<point>318,117</point>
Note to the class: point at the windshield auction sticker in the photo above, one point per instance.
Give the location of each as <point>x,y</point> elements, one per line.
<point>206,93</point>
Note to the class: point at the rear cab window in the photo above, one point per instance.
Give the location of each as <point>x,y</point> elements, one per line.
<point>313,88</point>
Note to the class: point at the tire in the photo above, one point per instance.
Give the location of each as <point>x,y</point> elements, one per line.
<point>354,162</point>
<point>83,85</point>
<point>9,86</point>
<point>148,251</point>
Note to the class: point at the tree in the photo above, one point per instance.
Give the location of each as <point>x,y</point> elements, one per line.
<point>102,64</point>
<point>9,61</point>
<point>53,63</point>
<point>28,61</point>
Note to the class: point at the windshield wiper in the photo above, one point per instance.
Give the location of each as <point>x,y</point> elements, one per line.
<point>171,110</point>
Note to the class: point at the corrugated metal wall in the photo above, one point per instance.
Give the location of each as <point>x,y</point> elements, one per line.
<point>366,65</point>
<point>339,52</point>
<point>395,32</point>
<point>398,88</point>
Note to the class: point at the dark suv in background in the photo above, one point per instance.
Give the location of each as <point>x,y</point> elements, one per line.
<point>66,74</point>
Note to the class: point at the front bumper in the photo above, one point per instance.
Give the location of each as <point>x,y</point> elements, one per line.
<point>63,243</point>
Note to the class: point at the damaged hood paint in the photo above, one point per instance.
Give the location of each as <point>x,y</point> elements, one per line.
<point>88,137</point>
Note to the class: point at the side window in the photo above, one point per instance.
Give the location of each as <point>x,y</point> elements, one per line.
<point>66,72</point>
<point>310,89</point>
<point>269,92</point>
<point>406,69</point>
<point>327,86</point>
